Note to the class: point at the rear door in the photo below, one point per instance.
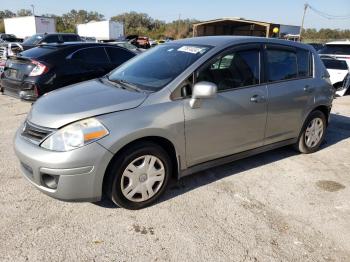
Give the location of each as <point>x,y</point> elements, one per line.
<point>290,88</point>
<point>234,121</point>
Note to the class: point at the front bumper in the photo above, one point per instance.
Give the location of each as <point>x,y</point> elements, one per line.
<point>76,175</point>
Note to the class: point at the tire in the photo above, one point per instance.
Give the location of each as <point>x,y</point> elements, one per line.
<point>138,176</point>
<point>306,144</point>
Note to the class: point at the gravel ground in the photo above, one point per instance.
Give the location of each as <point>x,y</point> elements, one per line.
<point>277,206</point>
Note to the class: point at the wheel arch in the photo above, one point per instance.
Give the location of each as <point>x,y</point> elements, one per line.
<point>165,143</point>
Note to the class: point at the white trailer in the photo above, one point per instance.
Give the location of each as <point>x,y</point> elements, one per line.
<point>25,26</point>
<point>102,30</point>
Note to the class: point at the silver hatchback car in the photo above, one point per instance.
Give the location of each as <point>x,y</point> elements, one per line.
<point>179,108</point>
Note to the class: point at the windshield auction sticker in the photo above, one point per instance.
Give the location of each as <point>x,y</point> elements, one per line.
<point>191,49</point>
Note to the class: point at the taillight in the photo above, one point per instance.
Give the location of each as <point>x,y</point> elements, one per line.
<point>36,91</point>
<point>39,69</point>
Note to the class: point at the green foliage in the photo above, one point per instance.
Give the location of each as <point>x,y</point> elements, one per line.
<point>24,12</point>
<point>324,34</point>
<point>144,25</point>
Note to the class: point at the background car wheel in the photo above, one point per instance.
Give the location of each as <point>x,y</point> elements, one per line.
<point>138,176</point>
<point>313,133</point>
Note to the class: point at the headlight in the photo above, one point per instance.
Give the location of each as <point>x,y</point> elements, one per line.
<point>75,135</point>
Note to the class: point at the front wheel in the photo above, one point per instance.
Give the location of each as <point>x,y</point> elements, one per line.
<point>138,176</point>
<point>313,133</point>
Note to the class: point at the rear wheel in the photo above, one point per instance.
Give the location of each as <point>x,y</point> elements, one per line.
<point>138,176</point>
<point>313,133</point>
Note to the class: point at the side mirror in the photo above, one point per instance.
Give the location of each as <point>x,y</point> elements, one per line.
<point>202,90</point>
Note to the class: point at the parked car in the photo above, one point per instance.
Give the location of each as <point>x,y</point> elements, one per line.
<point>42,69</point>
<point>174,110</point>
<point>8,38</point>
<point>38,39</point>
<point>141,42</point>
<point>338,49</point>
<point>317,46</point>
<point>339,74</point>
<point>128,45</point>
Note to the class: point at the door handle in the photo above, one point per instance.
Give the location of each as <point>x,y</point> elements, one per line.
<point>257,99</point>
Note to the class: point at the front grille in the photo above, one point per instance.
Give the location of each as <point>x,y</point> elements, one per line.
<point>35,133</point>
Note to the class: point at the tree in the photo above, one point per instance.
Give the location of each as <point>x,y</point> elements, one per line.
<point>5,14</point>
<point>24,12</point>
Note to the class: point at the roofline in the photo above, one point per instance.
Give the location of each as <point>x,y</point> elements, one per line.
<point>31,16</point>
<point>238,19</point>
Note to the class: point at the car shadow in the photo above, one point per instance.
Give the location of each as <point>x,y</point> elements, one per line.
<point>338,130</point>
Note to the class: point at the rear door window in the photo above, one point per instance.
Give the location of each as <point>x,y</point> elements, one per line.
<point>281,65</point>
<point>233,70</point>
<point>93,55</point>
<point>118,55</point>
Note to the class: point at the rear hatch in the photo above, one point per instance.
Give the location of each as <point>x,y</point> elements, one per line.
<point>17,68</point>
<point>16,76</point>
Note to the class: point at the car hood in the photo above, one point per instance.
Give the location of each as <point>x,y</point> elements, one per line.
<point>79,101</point>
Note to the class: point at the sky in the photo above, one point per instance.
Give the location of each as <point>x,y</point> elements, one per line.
<point>277,11</point>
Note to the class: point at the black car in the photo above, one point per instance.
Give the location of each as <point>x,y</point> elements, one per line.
<point>42,69</point>
<point>38,39</point>
<point>8,38</point>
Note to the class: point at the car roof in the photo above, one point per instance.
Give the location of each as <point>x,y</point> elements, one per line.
<point>222,41</point>
<point>75,43</point>
<point>347,42</point>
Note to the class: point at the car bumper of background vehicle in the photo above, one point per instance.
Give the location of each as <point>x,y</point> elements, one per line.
<point>75,175</point>
<point>24,91</point>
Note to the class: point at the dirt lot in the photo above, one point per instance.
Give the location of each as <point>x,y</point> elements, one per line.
<point>277,206</point>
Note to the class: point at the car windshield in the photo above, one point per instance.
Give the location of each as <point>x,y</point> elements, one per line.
<point>335,50</point>
<point>154,69</point>
<point>33,40</point>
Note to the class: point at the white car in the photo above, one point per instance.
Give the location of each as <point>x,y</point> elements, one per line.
<point>337,49</point>
<point>339,74</point>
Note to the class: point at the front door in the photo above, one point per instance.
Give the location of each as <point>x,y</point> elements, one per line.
<point>234,121</point>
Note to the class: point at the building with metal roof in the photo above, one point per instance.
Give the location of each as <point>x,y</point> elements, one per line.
<point>241,26</point>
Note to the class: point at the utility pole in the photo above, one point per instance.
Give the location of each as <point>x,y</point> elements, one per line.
<point>306,6</point>
<point>32,9</point>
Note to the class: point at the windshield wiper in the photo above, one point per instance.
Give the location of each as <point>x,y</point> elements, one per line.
<point>126,84</point>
